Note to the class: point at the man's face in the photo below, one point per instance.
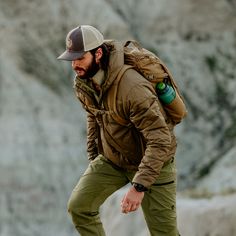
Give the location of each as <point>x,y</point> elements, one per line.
<point>86,66</point>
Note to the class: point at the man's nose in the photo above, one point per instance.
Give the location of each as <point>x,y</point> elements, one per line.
<point>75,63</point>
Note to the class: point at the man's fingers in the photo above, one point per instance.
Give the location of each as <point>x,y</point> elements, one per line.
<point>134,207</point>
<point>128,207</point>
<point>124,206</point>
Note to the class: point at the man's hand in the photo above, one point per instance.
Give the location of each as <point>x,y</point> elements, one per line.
<point>131,201</point>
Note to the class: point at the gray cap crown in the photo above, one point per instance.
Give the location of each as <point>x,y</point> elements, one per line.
<point>81,40</point>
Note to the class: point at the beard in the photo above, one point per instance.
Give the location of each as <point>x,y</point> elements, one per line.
<point>91,70</point>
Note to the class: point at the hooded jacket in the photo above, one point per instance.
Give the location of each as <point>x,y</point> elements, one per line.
<point>148,142</point>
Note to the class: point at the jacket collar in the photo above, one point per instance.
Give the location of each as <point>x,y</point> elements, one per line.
<point>99,78</point>
<point>116,62</point>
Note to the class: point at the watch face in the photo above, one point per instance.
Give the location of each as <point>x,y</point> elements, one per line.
<point>139,187</point>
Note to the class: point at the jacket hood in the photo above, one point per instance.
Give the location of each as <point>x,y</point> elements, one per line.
<point>116,61</point>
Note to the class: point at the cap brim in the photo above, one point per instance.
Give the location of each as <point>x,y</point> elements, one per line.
<point>70,56</point>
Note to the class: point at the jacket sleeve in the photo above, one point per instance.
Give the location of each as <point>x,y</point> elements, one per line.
<point>144,113</point>
<point>92,136</point>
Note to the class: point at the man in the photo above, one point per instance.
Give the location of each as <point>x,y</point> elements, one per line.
<point>141,153</point>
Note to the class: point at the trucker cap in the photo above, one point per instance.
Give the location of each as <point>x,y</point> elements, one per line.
<point>81,40</point>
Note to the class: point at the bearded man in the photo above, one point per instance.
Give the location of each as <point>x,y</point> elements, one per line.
<point>141,153</point>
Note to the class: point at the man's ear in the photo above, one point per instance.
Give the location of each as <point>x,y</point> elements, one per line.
<point>98,55</point>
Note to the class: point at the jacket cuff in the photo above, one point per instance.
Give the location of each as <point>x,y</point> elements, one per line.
<point>138,179</point>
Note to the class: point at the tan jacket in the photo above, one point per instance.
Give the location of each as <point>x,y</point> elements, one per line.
<point>148,142</point>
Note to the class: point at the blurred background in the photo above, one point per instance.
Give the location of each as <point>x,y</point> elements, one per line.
<point>43,128</point>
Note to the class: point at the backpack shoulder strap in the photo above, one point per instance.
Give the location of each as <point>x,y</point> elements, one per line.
<point>113,97</point>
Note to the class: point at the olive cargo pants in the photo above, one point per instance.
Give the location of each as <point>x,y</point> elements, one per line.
<point>102,178</point>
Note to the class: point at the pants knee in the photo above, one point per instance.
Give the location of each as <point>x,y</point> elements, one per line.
<point>78,203</point>
<point>73,204</point>
<point>70,205</point>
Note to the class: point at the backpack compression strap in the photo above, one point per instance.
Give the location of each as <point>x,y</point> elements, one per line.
<point>113,96</point>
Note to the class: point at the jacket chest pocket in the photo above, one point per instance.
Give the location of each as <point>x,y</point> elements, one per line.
<point>102,117</point>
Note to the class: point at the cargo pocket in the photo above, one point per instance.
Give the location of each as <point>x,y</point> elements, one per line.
<point>167,174</point>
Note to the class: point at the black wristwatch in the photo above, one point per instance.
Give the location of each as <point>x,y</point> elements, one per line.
<point>139,187</point>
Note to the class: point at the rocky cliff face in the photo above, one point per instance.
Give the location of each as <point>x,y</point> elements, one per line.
<point>43,127</point>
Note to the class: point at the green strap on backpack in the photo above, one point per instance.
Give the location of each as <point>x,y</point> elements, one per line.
<point>155,71</point>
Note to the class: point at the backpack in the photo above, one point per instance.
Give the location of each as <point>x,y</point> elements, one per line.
<point>154,70</point>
